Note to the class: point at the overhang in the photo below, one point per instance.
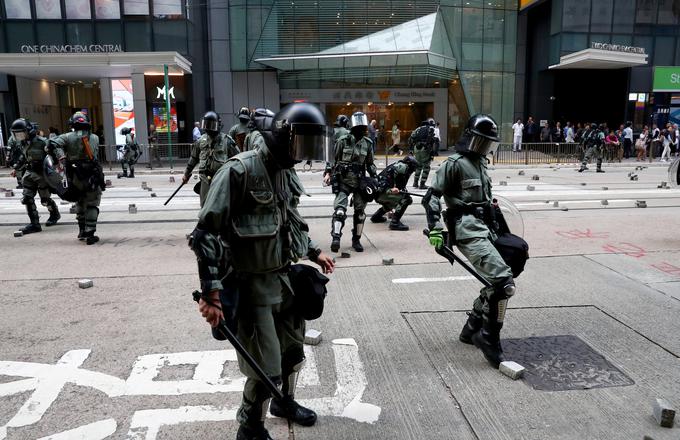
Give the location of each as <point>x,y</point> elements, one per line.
<point>600,59</point>
<point>69,66</point>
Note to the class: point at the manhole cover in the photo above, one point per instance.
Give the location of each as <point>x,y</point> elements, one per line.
<point>560,363</point>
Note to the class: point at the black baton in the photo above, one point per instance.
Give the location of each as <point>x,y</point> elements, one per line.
<point>411,194</point>
<point>173,194</point>
<point>224,330</point>
<point>449,254</point>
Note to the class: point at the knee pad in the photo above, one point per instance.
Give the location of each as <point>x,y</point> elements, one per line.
<point>359,217</point>
<point>340,215</point>
<point>293,359</point>
<point>504,289</point>
<point>25,200</point>
<point>45,202</point>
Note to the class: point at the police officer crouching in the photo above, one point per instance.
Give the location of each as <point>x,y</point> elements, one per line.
<point>391,193</point>
<point>251,210</point>
<point>210,152</point>
<point>466,187</point>
<point>33,180</point>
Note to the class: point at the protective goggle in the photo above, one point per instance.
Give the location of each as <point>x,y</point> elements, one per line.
<point>210,125</point>
<point>482,145</point>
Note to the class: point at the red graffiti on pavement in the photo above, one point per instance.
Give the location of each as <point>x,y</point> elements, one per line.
<point>576,234</point>
<point>667,268</point>
<point>628,249</point>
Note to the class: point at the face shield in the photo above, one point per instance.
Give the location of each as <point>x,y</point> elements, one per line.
<point>482,145</point>
<point>210,125</point>
<point>358,120</point>
<point>310,142</point>
<point>20,135</point>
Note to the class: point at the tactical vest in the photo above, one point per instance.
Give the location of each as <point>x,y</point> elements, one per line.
<point>212,153</point>
<point>473,184</point>
<point>74,148</point>
<point>354,152</point>
<point>35,150</point>
<point>266,232</point>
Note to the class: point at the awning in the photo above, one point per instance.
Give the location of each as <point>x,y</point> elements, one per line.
<point>600,59</point>
<point>69,66</point>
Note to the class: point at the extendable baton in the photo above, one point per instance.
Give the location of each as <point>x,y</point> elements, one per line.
<point>448,253</point>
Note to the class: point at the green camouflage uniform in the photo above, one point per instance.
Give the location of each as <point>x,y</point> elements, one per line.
<point>352,160</point>
<point>253,139</point>
<point>394,176</point>
<point>593,142</point>
<point>238,132</point>
<point>421,143</point>
<point>16,158</point>
<point>129,155</point>
<point>34,180</point>
<point>210,154</point>
<point>339,132</point>
<point>464,183</point>
<point>243,211</point>
<point>70,147</point>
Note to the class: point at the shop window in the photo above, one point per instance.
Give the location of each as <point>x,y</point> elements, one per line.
<point>574,42</point>
<point>575,15</point>
<point>107,9</point>
<point>19,9</point>
<point>646,11</point>
<point>170,36</point>
<point>79,33</point>
<point>136,7</point>
<point>19,34</point>
<point>138,36</point>
<point>109,33</point>
<point>624,16</point>
<point>168,9</point>
<point>50,33</point>
<point>669,12</point>
<point>48,9</point>
<point>664,51</point>
<point>78,9</point>
<point>601,16</point>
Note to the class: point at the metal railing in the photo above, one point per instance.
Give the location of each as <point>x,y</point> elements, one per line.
<point>538,153</point>
<point>170,156</point>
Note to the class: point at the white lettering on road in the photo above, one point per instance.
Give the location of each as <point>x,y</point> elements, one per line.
<point>93,431</point>
<point>431,280</point>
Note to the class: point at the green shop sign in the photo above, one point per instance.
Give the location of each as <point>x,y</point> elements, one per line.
<point>667,79</point>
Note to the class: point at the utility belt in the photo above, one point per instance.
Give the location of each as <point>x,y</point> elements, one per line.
<point>483,211</point>
<point>86,170</point>
<point>343,168</point>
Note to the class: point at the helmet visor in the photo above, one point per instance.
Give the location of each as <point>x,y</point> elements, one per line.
<point>358,120</point>
<point>20,135</point>
<point>310,142</point>
<point>482,145</point>
<point>209,125</point>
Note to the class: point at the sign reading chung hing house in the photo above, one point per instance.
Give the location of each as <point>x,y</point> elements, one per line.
<point>71,48</point>
<point>667,79</point>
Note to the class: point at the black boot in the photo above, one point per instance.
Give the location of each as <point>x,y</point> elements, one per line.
<point>31,228</point>
<point>397,225</point>
<point>582,169</point>
<point>422,186</point>
<point>34,218</point>
<point>379,216</point>
<point>81,231</point>
<point>54,215</point>
<point>253,433</point>
<point>356,243</point>
<point>288,408</point>
<point>89,237</point>
<point>490,344</point>
<point>335,243</point>
<point>600,170</point>
<point>472,326</point>
<point>132,173</point>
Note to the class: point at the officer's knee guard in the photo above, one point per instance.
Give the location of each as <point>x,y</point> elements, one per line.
<point>359,219</point>
<point>26,200</point>
<point>498,302</point>
<point>291,365</point>
<point>45,201</point>
<point>339,217</point>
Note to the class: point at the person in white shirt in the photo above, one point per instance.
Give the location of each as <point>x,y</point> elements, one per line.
<point>627,141</point>
<point>677,139</point>
<point>518,129</point>
<point>666,139</point>
<point>196,133</point>
<point>437,139</point>
<point>569,133</point>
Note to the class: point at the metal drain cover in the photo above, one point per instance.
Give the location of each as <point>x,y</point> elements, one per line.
<point>560,363</point>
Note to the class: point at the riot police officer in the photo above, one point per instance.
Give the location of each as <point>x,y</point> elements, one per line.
<point>391,192</point>
<point>16,160</point>
<point>353,158</point>
<point>240,130</point>
<point>251,210</point>
<point>77,152</point>
<point>340,127</point>
<point>422,144</point>
<point>33,180</point>
<point>130,153</point>
<point>254,137</point>
<point>593,142</point>
<point>210,152</point>
<point>466,187</point>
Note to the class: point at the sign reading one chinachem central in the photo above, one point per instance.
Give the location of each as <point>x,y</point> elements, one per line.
<point>71,48</point>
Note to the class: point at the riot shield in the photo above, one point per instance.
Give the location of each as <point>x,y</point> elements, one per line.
<point>512,216</point>
<point>55,175</point>
<point>674,174</point>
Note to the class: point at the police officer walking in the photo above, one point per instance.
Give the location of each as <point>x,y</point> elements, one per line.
<point>77,152</point>
<point>466,187</point>
<point>340,127</point>
<point>240,130</point>
<point>130,153</point>
<point>593,141</point>
<point>251,210</point>
<point>422,146</point>
<point>210,152</point>
<point>353,158</point>
<point>392,193</point>
<point>16,159</point>
<point>33,180</point>
<point>254,137</point>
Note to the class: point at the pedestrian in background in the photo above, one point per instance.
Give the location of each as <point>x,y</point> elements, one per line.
<point>396,137</point>
<point>546,134</point>
<point>569,133</point>
<point>558,135</point>
<point>518,129</point>
<point>666,142</point>
<point>437,140</point>
<point>154,154</point>
<point>655,141</point>
<point>676,137</point>
<point>628,141</point>
<point>532,130</point>
<point>373,133</point>
<point>611,142</point>
<point>196,133</point>
<point>641,144</point>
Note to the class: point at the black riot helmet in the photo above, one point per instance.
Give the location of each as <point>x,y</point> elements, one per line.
<point>211,123</point>
<point>358,124</point>
<point>244,114</point>
<point>23,130</point>
<point>342,121</point>
<point>298,132</point>
<point>411,162</point>
<point>80,122</point>
<point>125,131</point>
<point>481,135</point>
<point>262,118</point>
<point>429,122</point>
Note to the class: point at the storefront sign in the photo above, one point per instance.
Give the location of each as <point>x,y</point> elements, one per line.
<point>123,107</point>
<point>71,48</point>
<point>363,95</point>
<point>617,47</point>
<point>667,79</point>
<point>160,93</point>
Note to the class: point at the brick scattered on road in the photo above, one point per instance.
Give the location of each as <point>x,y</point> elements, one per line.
<point>85,283</point>
<point>18,234</point>
<point>312,337</point>
<point>388,261</point>
<point>663,413</point>
<point>511,369</point>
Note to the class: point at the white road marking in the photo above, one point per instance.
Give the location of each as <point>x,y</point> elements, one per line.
<point>145,424</point>
<point>431,280</point>
<point>93,431</point>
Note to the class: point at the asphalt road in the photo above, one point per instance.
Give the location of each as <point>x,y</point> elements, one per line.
<point>594,321</point>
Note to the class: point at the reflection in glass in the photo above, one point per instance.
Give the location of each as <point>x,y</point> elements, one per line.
<point>78,9</point>
<point>107,9</point>
<point>669,12</point>
<point>136,7</point>
<point>47,9</point>
<point>601,16</point>
<point>624,15</point>
<point>646,11</point>
<point>575,15</point>
<point>18,9</point>
<point>167,8</point>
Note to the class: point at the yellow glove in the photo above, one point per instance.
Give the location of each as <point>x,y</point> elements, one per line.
<point>436,238</point>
